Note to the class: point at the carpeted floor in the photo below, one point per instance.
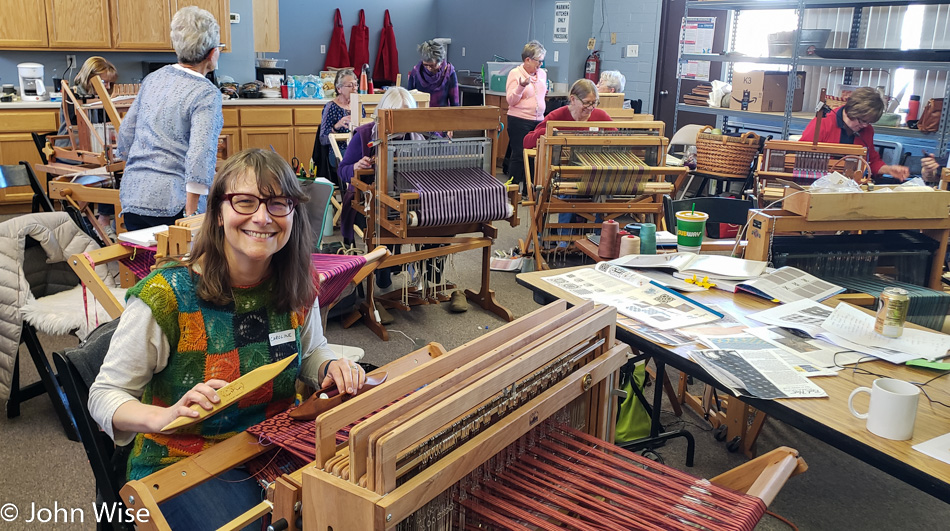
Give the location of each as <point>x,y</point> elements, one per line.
<point>38,465</point>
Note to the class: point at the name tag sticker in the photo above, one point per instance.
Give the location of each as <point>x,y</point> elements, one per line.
<point>279,338</point>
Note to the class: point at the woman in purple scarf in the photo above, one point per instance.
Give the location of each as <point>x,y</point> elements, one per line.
<point>435,76</point>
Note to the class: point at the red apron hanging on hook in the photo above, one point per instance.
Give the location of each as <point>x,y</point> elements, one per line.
<point>336,53</point>
<point>387,58</point>
<point>359,43</point>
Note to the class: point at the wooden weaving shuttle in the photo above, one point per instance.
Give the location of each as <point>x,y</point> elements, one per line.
<point>330,397</point>
<point>234,391</point>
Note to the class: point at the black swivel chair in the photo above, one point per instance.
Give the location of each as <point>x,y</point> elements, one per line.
<point>719,209</point>
<point>77,368</point>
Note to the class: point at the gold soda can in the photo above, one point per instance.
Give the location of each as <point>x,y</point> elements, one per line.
<point>892,312</point>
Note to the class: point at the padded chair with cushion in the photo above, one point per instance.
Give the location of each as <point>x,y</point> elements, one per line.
<point>77,369</point>
<point>43,294</point>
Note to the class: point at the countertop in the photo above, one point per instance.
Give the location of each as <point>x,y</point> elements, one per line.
<point>227,103</point>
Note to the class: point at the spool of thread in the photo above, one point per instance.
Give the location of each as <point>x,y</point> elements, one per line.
<point>913,108</point>
<point>629,245</point>
<point>647,238</point>
<point>609,247</point>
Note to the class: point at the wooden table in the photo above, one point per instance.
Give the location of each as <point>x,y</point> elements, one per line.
<point>826,419</point>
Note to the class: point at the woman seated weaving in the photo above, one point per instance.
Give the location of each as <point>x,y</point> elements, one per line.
<point>581,107</point>
<point>243,298</point>
<point>361,155</point>
<point>851,124</point>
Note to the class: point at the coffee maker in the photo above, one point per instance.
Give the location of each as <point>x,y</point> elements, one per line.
<point>32,87</point>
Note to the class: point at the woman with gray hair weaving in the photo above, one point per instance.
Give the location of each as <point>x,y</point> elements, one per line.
<point>169,138</point>
<point>612,82</point>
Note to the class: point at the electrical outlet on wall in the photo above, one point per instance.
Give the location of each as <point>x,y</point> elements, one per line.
<point>633,50</point>
<point>555,55</point>
<point>70,61</point>
<point>463,51</point>
<point>323,48</point>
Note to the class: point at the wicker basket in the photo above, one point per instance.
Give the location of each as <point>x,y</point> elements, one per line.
<point>729,156</point>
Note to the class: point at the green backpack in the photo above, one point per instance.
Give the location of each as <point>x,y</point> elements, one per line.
<point>633,419</point>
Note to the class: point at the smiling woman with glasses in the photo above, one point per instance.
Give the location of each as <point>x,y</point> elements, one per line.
<point>244,297</point>
<point>335,119</point>
<point>435,76</point>
<point>851,124</point>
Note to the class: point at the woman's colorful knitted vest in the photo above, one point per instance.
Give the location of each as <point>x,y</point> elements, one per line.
<point>209,341</point>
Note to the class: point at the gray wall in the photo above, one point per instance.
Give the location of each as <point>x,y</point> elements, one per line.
<point>306,24</point>
<point>634,22</point>
<point>485,28</point>
<point>502,27</point>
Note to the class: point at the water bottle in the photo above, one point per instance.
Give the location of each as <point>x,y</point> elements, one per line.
<point>291,88</point>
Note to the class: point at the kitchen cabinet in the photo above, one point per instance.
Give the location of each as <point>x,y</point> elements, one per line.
<point>232,140</point>
<point>280,139</point>
<point>793,122</point>
<point>78,24</point>
<point>16,144</point>
<point>141,29</point>
<point>23,25</point>
<point>100,25</point>
<point>266,26</point>
<point>221,9</point>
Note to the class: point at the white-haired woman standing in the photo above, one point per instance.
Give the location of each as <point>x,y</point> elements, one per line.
<point>525,90</point>
<point>169,138</point>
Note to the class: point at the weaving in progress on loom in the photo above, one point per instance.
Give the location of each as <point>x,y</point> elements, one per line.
<point>802,163</point>
<point>451,439</point>
<point>435,195</point>
<point>596,175</point>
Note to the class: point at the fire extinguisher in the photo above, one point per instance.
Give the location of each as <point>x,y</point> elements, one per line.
<point>592,66</point>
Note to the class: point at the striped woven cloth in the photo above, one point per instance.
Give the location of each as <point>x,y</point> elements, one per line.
<point>335,272</point>
<point>463,195</point>
<point>141,261</point>
<point>615,173</point>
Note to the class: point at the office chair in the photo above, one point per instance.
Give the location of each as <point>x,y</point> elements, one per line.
<point>719,209</point>
<point>77,369</point>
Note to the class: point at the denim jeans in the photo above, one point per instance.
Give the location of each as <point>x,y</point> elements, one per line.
<point>214,503</point>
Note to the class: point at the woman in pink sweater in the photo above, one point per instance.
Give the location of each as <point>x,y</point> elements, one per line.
<point>525,91</point>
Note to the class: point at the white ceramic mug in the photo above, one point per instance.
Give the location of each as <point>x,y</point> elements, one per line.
<point>893,408</point>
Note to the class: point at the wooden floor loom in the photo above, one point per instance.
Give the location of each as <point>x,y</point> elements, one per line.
<point>434,194</point>
<point>784,161</point>
<point>457,440</point>
<point>619,169</point>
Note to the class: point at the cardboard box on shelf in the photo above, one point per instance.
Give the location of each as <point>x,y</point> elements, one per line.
<point>765,91</point>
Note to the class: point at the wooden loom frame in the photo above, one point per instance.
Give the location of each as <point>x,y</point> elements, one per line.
<point>321,499</point>
<point>398,231</point>
<point>763,176</point>
<point>543,198</point>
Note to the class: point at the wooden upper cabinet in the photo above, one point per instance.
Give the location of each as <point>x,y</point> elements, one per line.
<point>221,9</point>
<point>23,24</point>
<point>78,24</point>
<point>141,25</point>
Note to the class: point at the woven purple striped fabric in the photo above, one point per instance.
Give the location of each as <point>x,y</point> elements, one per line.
<point>336,272</point>
<point>465,195</point>
<point>141,261</point>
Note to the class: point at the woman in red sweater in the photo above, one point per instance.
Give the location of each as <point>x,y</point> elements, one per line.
<point>581,107</point>
<point>851,124</point>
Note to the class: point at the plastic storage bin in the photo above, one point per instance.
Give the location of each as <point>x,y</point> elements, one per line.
<point>498,75</point>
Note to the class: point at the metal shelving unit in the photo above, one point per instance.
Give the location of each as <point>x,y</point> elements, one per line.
<point>788,119</point>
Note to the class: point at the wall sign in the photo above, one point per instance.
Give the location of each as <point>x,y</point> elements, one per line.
<point>562,17</point>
